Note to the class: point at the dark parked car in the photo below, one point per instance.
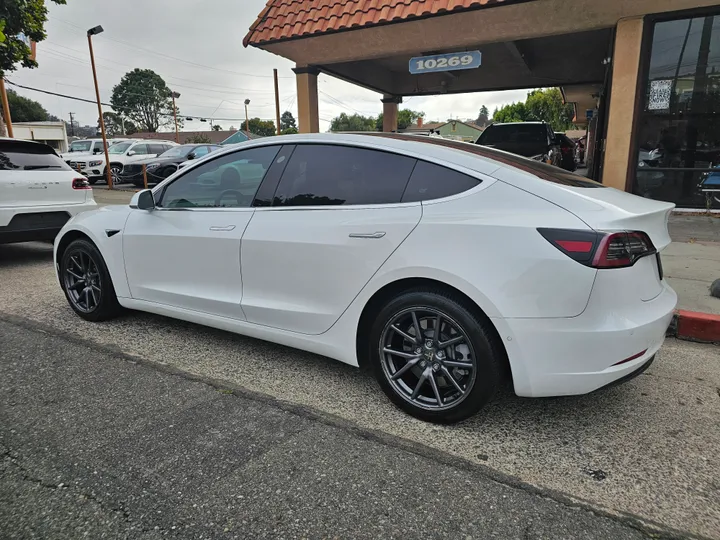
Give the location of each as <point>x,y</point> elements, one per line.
<point>162,166</point>
<point>567,152</point>
<point>535,140</point>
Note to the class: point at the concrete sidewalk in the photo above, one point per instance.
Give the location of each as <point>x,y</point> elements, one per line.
<point>100,445</point>
<point>692,262</point>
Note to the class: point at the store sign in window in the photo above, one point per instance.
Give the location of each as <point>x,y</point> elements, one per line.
<point>659,99</point>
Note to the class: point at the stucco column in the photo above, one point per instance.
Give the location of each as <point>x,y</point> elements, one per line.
<point>307,99</point>
<point>625,76</point>
<point>390,112</point>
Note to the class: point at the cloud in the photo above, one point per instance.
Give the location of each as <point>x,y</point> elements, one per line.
<point>197,48</point>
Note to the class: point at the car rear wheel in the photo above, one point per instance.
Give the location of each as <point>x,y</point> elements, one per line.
<point>86,282</point>
<point>433,357</point>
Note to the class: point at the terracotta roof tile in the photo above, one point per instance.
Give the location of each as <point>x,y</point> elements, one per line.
<point>286,19</point>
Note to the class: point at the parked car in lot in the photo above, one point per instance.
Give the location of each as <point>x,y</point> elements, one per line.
<point>159,168</point>
<point>567,152</point>
<point>84,157</point>
<point>39,192</point>
<point>86,146</point>
<point>124,152</point>
<point>535,140</point>
<point>446,266</point>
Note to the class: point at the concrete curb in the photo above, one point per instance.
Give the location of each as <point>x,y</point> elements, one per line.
<point>695,326</point>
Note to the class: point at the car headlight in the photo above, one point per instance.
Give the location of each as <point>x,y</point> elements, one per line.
<point>152,166</point>
<point>95,163</point>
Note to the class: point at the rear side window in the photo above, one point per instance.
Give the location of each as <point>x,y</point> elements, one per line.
<point>15,157</point>
<point>156,148</point>
<point>430,181</point>
<point>342,175</point>
<point>140,149</point>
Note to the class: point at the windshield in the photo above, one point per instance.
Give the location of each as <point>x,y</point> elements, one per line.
<point>178,151</point>
<point>80,146</point>
<point>119,148</point>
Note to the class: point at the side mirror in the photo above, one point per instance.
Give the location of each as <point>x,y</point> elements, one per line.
<point>191,156</point>
<point>143,200</point>
<point>96,150</point>
<point>131,153</point>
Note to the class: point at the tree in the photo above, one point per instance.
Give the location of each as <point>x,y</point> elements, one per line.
<point>356,122</point>
<point>20,18</point>
<point>406,117</point>
<point>547,105</point>
<point>113,126</point>
<point>23,109</point>
<point>143,97</point>
<point>540,105</point>
<point>198,138</point>
<point>264,128</point>
<point>217,127</point>
<point>483,118</point>
<point>287,121</point>
<point>289,131</point>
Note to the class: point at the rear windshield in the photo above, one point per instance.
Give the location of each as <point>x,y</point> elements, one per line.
<point>539,169</point>
<point>514,133</point>
<point>29,157</point>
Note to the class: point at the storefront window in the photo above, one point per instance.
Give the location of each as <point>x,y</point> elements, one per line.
<point>679,125</point>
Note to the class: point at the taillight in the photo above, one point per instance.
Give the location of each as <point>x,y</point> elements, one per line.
<point>601,250</point>
<point>80,183</point>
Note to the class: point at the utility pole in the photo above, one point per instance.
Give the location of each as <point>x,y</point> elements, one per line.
<point>247,122</point>
<point>177,135</point>
<point>90,33</point>
<point>72,124</point>
<point>6,107</point>
<point>277,101</point>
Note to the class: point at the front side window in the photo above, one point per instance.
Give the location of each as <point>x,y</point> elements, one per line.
<point>342,175</point>
<point>140,149</point>
<point>201,151</point>
<point>119,148</point>
<point>229,181</point>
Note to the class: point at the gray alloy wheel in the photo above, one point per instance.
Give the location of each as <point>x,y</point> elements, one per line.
<point>428,358</point>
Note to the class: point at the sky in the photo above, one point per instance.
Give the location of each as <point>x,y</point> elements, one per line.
<point>197,48</point>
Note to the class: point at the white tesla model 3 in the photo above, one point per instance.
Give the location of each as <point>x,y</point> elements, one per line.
<point>443,265</point>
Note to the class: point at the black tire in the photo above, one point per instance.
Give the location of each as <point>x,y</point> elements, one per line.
<point>106,304</point>
<point>92,181</point>
<point>482,347</point>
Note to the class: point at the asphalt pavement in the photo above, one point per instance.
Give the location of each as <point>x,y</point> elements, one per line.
<point>99,445</point>
<point>643,453</point>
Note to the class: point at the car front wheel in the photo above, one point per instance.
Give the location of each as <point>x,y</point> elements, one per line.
<point>433,357</point>
<point>86,282</point>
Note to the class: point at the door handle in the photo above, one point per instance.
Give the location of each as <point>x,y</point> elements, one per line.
<point>37,187</point>
<point>220,228</point>
<point>378,234</point>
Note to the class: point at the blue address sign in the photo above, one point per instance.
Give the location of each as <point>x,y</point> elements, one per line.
<point>445,62</point>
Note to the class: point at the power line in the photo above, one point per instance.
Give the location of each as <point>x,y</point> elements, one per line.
<point>193,117</point>
<point>126,44</point>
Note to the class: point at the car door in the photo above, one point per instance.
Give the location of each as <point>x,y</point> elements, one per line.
<point>335,218</point>
<point>139,152</point>
<point>185,252</point>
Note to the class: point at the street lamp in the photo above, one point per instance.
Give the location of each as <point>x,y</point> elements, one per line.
<point>174,96</point>
<point>90,33</point>
<point>247,122</point>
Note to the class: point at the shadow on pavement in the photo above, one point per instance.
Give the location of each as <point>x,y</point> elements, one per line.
<point>25,253</point>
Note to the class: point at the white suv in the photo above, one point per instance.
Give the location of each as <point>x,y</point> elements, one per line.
<point>84,156</point>
<point>39,192</point>
<point>133,150</point>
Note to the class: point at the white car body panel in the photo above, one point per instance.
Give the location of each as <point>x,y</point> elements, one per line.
<point>156,246</point>
<point>330,262</point>
<point>565,326</point>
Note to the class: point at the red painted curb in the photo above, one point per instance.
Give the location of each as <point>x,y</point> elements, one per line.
<point>698,326</point>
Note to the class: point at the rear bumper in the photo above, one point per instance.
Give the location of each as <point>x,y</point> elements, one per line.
<point>560,357</point>
<point>27,224</point>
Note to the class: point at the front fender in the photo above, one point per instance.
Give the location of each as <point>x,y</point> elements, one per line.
<point>95,225</point>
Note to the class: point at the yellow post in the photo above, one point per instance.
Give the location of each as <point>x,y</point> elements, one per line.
<point>625,73</point>
<point>145,175</point>
<point>6,107</point>
<point>307,99</point>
